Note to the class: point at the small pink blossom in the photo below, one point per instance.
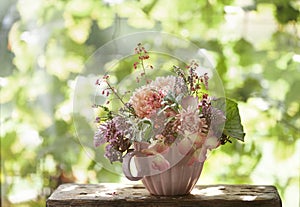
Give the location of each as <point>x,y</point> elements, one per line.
<point>147,99</point>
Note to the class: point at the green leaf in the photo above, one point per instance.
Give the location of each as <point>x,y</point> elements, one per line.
<point>233,126</point>
<point>145,130</point>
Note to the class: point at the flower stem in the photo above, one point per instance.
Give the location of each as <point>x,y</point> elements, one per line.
<point>118,97</point>
<point>144,70</point>
<point>115,93</point>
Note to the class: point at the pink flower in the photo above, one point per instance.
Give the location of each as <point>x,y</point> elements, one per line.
<point>165,84</point>
<point>209,143</point>
<point>146,101</point>
<point>190,122</point>
<point>185,146</point>
<point>189,118</point>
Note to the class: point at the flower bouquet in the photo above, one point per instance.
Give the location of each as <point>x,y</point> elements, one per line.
<point>167,126</point>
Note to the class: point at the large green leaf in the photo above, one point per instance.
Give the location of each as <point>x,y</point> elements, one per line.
<point>233,126</point>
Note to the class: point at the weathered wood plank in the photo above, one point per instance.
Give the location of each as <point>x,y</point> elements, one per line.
<point>111,194</point>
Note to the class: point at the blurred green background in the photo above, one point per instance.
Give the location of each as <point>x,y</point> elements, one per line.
<point>44,45</point>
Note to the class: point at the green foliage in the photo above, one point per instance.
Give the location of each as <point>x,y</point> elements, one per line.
<point>48,42</point>
<point>233,127</point>
<point>286,13</point>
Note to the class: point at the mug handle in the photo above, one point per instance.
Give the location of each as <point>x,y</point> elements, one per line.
<point>126,165</point>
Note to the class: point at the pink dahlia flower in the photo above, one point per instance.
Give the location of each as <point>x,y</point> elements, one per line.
<point>146,101</point>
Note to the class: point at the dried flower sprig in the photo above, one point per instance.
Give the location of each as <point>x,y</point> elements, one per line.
<point>194,80</point>
<point>197,84</point>
<point>142,56</point>
<point>112,90</point>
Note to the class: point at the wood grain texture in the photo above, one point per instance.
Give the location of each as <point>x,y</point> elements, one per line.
<point>123,195</point>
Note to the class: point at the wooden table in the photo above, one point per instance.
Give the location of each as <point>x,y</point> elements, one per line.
<point>112,194</point>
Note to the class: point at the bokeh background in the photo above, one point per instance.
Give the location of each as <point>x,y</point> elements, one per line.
<point>44,45</point>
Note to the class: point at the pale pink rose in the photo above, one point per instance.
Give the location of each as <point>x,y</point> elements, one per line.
<point>190,122</point>
<point>160,163</point>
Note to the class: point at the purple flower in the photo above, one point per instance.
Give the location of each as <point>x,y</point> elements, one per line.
<point>113,133</point>
<point>105,133</point>
<point>112,154</point>
<point>215,118</point>
<point>123,126</point>
<point>99,138</point>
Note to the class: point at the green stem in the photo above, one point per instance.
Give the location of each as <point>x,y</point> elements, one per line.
<point>115,93</point>
<point>144,70</point>
<point>118,97</point>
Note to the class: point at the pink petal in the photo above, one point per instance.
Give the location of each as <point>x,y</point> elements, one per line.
<point>161,148</point>
<point>155,149</point>
<point>139,146</point>
<point>185,146</point>
<point>200,141</point>
<point>149,151</point>
<point>160,163</point>
<point>198,156</point>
